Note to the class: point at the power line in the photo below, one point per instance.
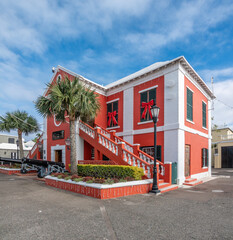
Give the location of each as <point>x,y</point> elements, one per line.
<point>224,103</point>
<point>24,121</point>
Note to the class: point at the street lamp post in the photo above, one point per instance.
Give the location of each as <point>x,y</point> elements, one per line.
<point>155,114</point>
<point>17,143</point>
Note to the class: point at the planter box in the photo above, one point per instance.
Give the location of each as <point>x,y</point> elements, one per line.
<point>9,171</point>
<point>101,191</point>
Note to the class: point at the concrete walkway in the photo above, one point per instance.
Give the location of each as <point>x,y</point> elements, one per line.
<point>31,210</point>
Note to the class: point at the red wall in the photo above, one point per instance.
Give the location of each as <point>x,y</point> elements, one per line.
<point>101,118</point>
<point>197,143</point>
<point>147,139</point>
<point>159,101</point>
<point>198,97</point>
<point>52,128</point>
<point>87,151</point>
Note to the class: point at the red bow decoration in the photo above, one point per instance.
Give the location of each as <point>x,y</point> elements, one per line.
<point>147,106</point>
<point>111,115</point>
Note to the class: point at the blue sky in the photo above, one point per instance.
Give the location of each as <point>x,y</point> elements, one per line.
<point>105,40</point>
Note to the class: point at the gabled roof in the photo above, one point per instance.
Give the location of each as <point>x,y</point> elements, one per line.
<point>145,71</point>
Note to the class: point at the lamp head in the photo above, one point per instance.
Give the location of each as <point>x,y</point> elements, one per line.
<point>155,112</point>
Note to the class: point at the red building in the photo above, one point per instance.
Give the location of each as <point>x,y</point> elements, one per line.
<point>123,129</point>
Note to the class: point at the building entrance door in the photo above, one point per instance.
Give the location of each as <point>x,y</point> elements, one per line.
<point>227,157</point>
<point>58,155</point>
<point>187,161</point>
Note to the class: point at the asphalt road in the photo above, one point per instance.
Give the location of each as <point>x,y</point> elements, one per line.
<point>31,210</point>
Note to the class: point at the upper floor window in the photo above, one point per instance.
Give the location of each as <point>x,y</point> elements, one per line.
<point>189,104</point>
<point>59,78</point>
<point>112,114</point>
<point>205,156</point>
<point>11,140</point>
<point>58,135</point>
<point>148,99</point>
<point>203,114</point>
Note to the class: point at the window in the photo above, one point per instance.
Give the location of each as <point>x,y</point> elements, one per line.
<point>205,155</point>
<point>203,115</point>
<point>11,140</point>
<point>150,151</point>
<point>112,114</point>
<point>189,105</point>
<point>58,135</point>
<point>58,78</point>
<point>13,155</point>
<point>148,98</point>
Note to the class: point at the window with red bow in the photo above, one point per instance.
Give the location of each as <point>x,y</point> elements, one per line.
<point>112,114</point>
<point>148,99</point>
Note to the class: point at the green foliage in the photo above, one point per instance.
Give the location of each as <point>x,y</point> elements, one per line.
<point>110,171</point>
<point>109,181</point>
<point>67,178</point>
<point>70,98</point>
<point>122,180</point>
<point>19,120</point>
<point>78,179</point>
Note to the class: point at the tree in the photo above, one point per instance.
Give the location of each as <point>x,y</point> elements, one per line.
<point>70,99</point>
<point>20,121</point>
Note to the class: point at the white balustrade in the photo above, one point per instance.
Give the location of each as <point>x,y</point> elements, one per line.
<point>34,148</point>
<point>162,170</point>
<point>148,172</point>
<point>108,144</point>
<point>87,130</point>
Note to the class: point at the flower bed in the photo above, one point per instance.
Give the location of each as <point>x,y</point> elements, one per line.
<point>101,191</point>
<point>9,170</point>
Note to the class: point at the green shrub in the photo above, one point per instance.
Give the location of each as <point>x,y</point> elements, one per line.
<point>110,171</point>
<point>89,181</point>
<point>122,180</point>
<point>77,179</point>
<point>109,181</point>
<point>67,178</point>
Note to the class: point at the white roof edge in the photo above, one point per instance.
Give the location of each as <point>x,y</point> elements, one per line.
<point>205,87</point>
<point>141,72</point>
<point>131,77</point>
<point>75,75</point>
<point>78,75</point>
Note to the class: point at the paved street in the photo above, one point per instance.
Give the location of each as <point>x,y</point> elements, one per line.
<point>31,210</point>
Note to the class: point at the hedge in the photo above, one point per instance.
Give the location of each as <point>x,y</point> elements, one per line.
<point>110,171</point>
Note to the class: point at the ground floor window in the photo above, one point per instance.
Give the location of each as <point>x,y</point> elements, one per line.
<point>13,155</point>
<point>150,151</point>
<point>205,156</point>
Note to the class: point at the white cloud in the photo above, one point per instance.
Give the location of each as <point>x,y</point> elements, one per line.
<point>223,104</point>
<point>178,23</point>
<point>217,74</point>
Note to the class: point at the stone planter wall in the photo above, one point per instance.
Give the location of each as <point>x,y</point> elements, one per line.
<point>101,191</point>
<point>9,171</point>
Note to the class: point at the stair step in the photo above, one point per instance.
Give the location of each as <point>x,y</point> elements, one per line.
<point>169,188</point>
<point>193,183</point>
<point>190,180</point>
<point>161,180</point>
<point>163,185</point>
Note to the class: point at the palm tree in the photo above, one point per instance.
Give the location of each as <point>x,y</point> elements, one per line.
<point>69,99</point>
<point>20,121</point>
